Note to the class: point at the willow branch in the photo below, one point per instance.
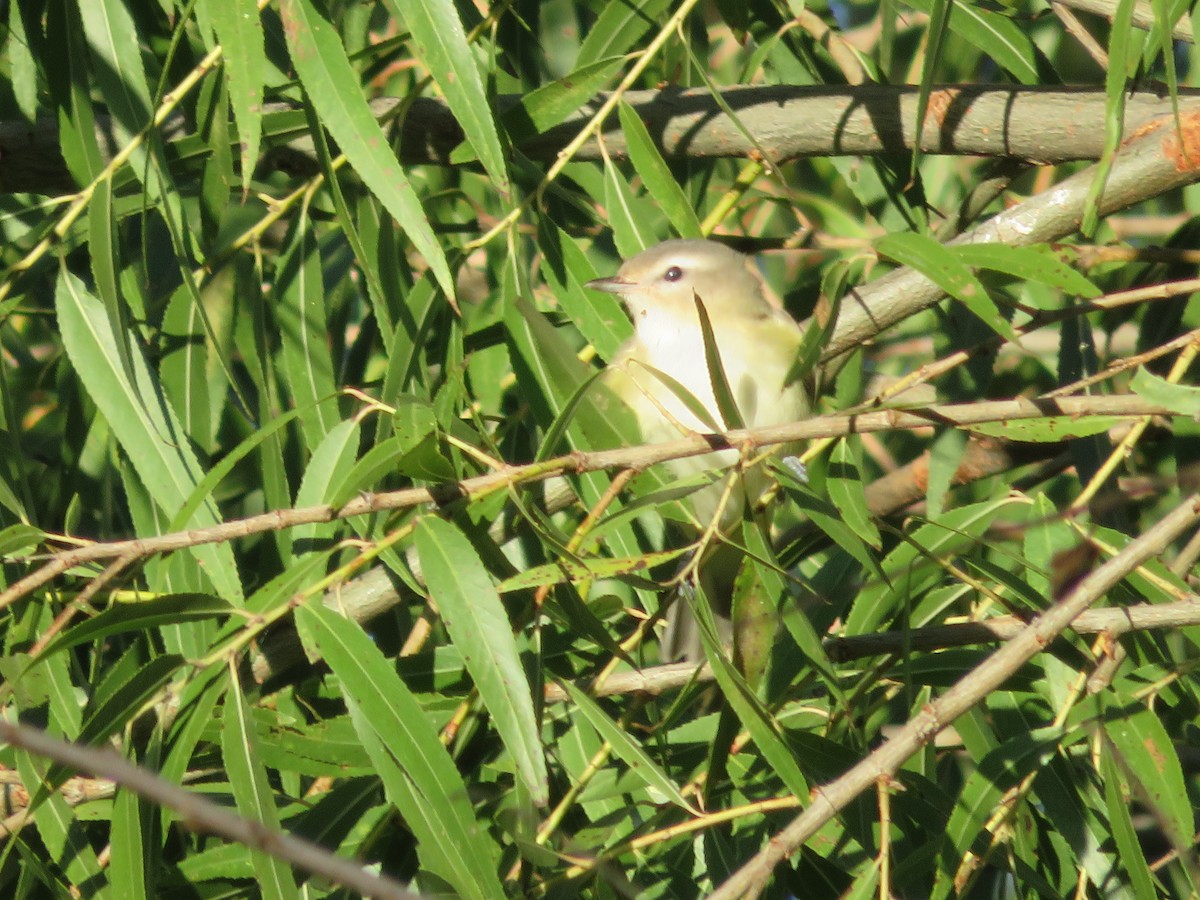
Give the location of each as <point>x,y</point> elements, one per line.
<point>1030,124</point>
<point>1164,156</point>
<point>750,880</point>
<point>639,457</point>
<point>1115,622</point>
<point>201,814</point>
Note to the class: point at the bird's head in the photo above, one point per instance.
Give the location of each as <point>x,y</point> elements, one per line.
<point>668,276</point>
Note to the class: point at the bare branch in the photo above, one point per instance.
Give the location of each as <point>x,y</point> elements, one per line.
<point>1161,159</point>
<point>953,415</point>
<point>1116,621</point>
<point>201,814</point>
<point>1023,123</point>
<point>750,880</point>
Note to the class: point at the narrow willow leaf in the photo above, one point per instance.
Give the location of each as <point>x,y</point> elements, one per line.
<point>627,749</point>
<point>61,831</point>
<point>228,462</point>
<point>945,455</point>
<point>304,333</point>
<point>844,481</point>
<point>252,791</point>
<point>1121,54</point>
<point>183,368</point>
<point>148,432</point>
<point>618,28</point>
<point>599,316</point>
<point>996,35</point>
<point>565,569</point>
<point>722,392</point>
<point>1038,264</point>
<point>937,263</point>
<point>416,770</point>
<point>326,471</point>
<point>142,616</point>
<point>442,44</point>
<point>479,627</point>
<point>1051,429</point>
<point>333,86</point>
<point>939,15</point>
<point>1129,848</point>
<point>22,74</point>
<point>829,518</point>
<point>660,183</point>
<point>240,32</point>
<point>1145,748</point>
<point>124,694</point>
<point>548,105</point>
<point>69,80</point>
<point>131,822</point>
<point>756,719</point>
<point>631,218</point>
<point>908,573</point>
<point>17,538</point>
<point>119,73</point>
<point>1181,399</point>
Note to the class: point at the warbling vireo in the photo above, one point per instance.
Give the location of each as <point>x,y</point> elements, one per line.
<point>758,344</point>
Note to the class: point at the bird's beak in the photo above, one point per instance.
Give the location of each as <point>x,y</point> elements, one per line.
<point>611,285</point>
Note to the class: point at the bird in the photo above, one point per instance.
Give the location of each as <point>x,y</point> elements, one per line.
<point>758,345</point>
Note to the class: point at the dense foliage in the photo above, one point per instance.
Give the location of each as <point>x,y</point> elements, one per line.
<point>295,337</point>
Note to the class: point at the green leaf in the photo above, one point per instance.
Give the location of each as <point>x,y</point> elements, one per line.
<point>417,772</point>
<point>996,35</point>
<point>1181,399</point>
<point>548,105</point>
<point>1121,56</point>
<point>331,462</point>
<point>1145,750</point>
<point>1050,430</point>
<point>123,618</point>
<point>252,791</point>
<point>142,422</point>
<point>66,842</point>
<point>598,315</point>
<point>940,265</point>
<point>131,824</point>
<point>565,569</point>
<point>442,45</point>
<point>631,217</point>
<point>722,392</point>
<point>1129,848</point>
<point>827,516</point>
<point>333,86</point>
<point>124,694</point>
<point>479,627</point>
<point>118,72</point>
<point>660,183</point>
<point>304,333</point>
<point>618,28</point>
<point>22,73</point>
<point>1038,264</point>
<point>938,28</point>
<point>757,720</point>
<point>244,56</point>
<point>844,482</point>
<point>17,538</point>
<point>909,568</point>
<point>627,749</point>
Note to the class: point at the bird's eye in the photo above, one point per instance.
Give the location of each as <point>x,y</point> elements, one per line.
<point>673,274</point>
